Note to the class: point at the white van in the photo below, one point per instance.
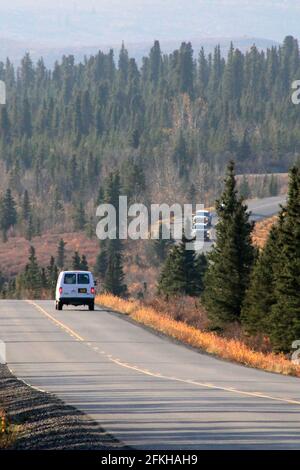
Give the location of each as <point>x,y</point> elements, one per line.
<point>75,288</point>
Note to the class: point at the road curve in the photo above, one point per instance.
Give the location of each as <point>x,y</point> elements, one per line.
<point>148,391</point>
<point>259,209</point>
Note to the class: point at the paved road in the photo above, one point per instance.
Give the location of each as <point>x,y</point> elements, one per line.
<point>261,208</point>
<point>147,390</point>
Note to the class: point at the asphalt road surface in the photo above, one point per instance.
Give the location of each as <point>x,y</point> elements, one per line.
<point>148,391</point>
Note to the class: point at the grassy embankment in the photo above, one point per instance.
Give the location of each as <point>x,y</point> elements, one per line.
<point>230,349</point>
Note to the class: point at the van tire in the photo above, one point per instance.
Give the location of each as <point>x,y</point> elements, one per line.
<point>59,306</point>
<point>92,306</point>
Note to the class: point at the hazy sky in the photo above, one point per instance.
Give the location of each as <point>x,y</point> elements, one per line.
<point>87,22</point>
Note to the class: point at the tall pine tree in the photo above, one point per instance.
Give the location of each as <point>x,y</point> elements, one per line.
<point>231,259</point>
<point>182,272</point>
<point>285,312</point>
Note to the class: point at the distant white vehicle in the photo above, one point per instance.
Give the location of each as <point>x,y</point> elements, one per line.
<point>203,217</point>
<point>201,232</point>
<point>75,288</point>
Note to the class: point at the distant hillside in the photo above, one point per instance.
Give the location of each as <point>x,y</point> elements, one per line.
<point>169,126</point>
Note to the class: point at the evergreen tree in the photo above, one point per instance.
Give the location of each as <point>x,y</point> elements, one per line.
<point>101,261</point>
<point>161,246</point>
<point>61,254</point>
<point>26,122</point>
<point>26,206</point>
<point>201,267</point>
<point>114,275</point>
<point>100,196</point>
<point>181,155</point>
<point>244,152</point>
<point>84,264</point>
<point>155,63</point>
<point>186,69</point>
<point>231,258</point>
<point>133,180</point>
<point>5,125</point>
<point>181,273</point>
<point>31,279</point>
<point>90,228</point>
<point>44,280</point>
<point>260,295</point>
<point>79,217</point>
<point>52,275</point>
<point>8,213</point>
<point>29,232</point>
<point>76,261</point>
<point>285,312</point>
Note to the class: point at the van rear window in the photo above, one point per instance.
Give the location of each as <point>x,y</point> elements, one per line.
<point>70,278</point>
<point>83,279</point>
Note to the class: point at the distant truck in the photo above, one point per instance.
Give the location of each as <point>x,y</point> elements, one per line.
<point>203,217</point>
<point>201,232</point>
<point>202,222</point>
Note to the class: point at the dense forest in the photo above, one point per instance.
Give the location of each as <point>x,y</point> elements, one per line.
<point>170,125</point>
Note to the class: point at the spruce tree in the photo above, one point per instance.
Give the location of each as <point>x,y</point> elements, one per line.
<point>101,261</point>
<point>182,272</point>
<point>161,246</point>
<point>52,275</point>
<point>61,254</point>
<point>76,261</point>
<point>90,228</point>
<point>201,267</point>
<point>231,259</point>
<point>84,264</point>
<point>29,230</point>
<point>32,277</point>
<point>26,206</point>
<point>8,213</point>
<point>285,312</point>
<point>44,279</point>
<point>79,217</point>
<point>260,295</point>
<point>114,275</point>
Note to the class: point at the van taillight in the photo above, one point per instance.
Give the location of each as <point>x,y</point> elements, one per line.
<point>93,290</point>
<point>60,290</point>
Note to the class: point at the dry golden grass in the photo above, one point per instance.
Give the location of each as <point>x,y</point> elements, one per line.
<point>261,231</point>
<point>7,433</point>
<point>230,349</point>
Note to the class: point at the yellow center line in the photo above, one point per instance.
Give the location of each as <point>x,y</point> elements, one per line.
<point>157,374</point>
<point>62,325</point>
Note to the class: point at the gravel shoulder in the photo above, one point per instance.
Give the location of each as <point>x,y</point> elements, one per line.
<point>43,422</point>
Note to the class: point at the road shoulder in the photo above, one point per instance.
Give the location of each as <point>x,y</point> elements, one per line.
<point>41,421</point>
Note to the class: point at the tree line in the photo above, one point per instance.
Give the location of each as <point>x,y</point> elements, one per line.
<point>175,118</point>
